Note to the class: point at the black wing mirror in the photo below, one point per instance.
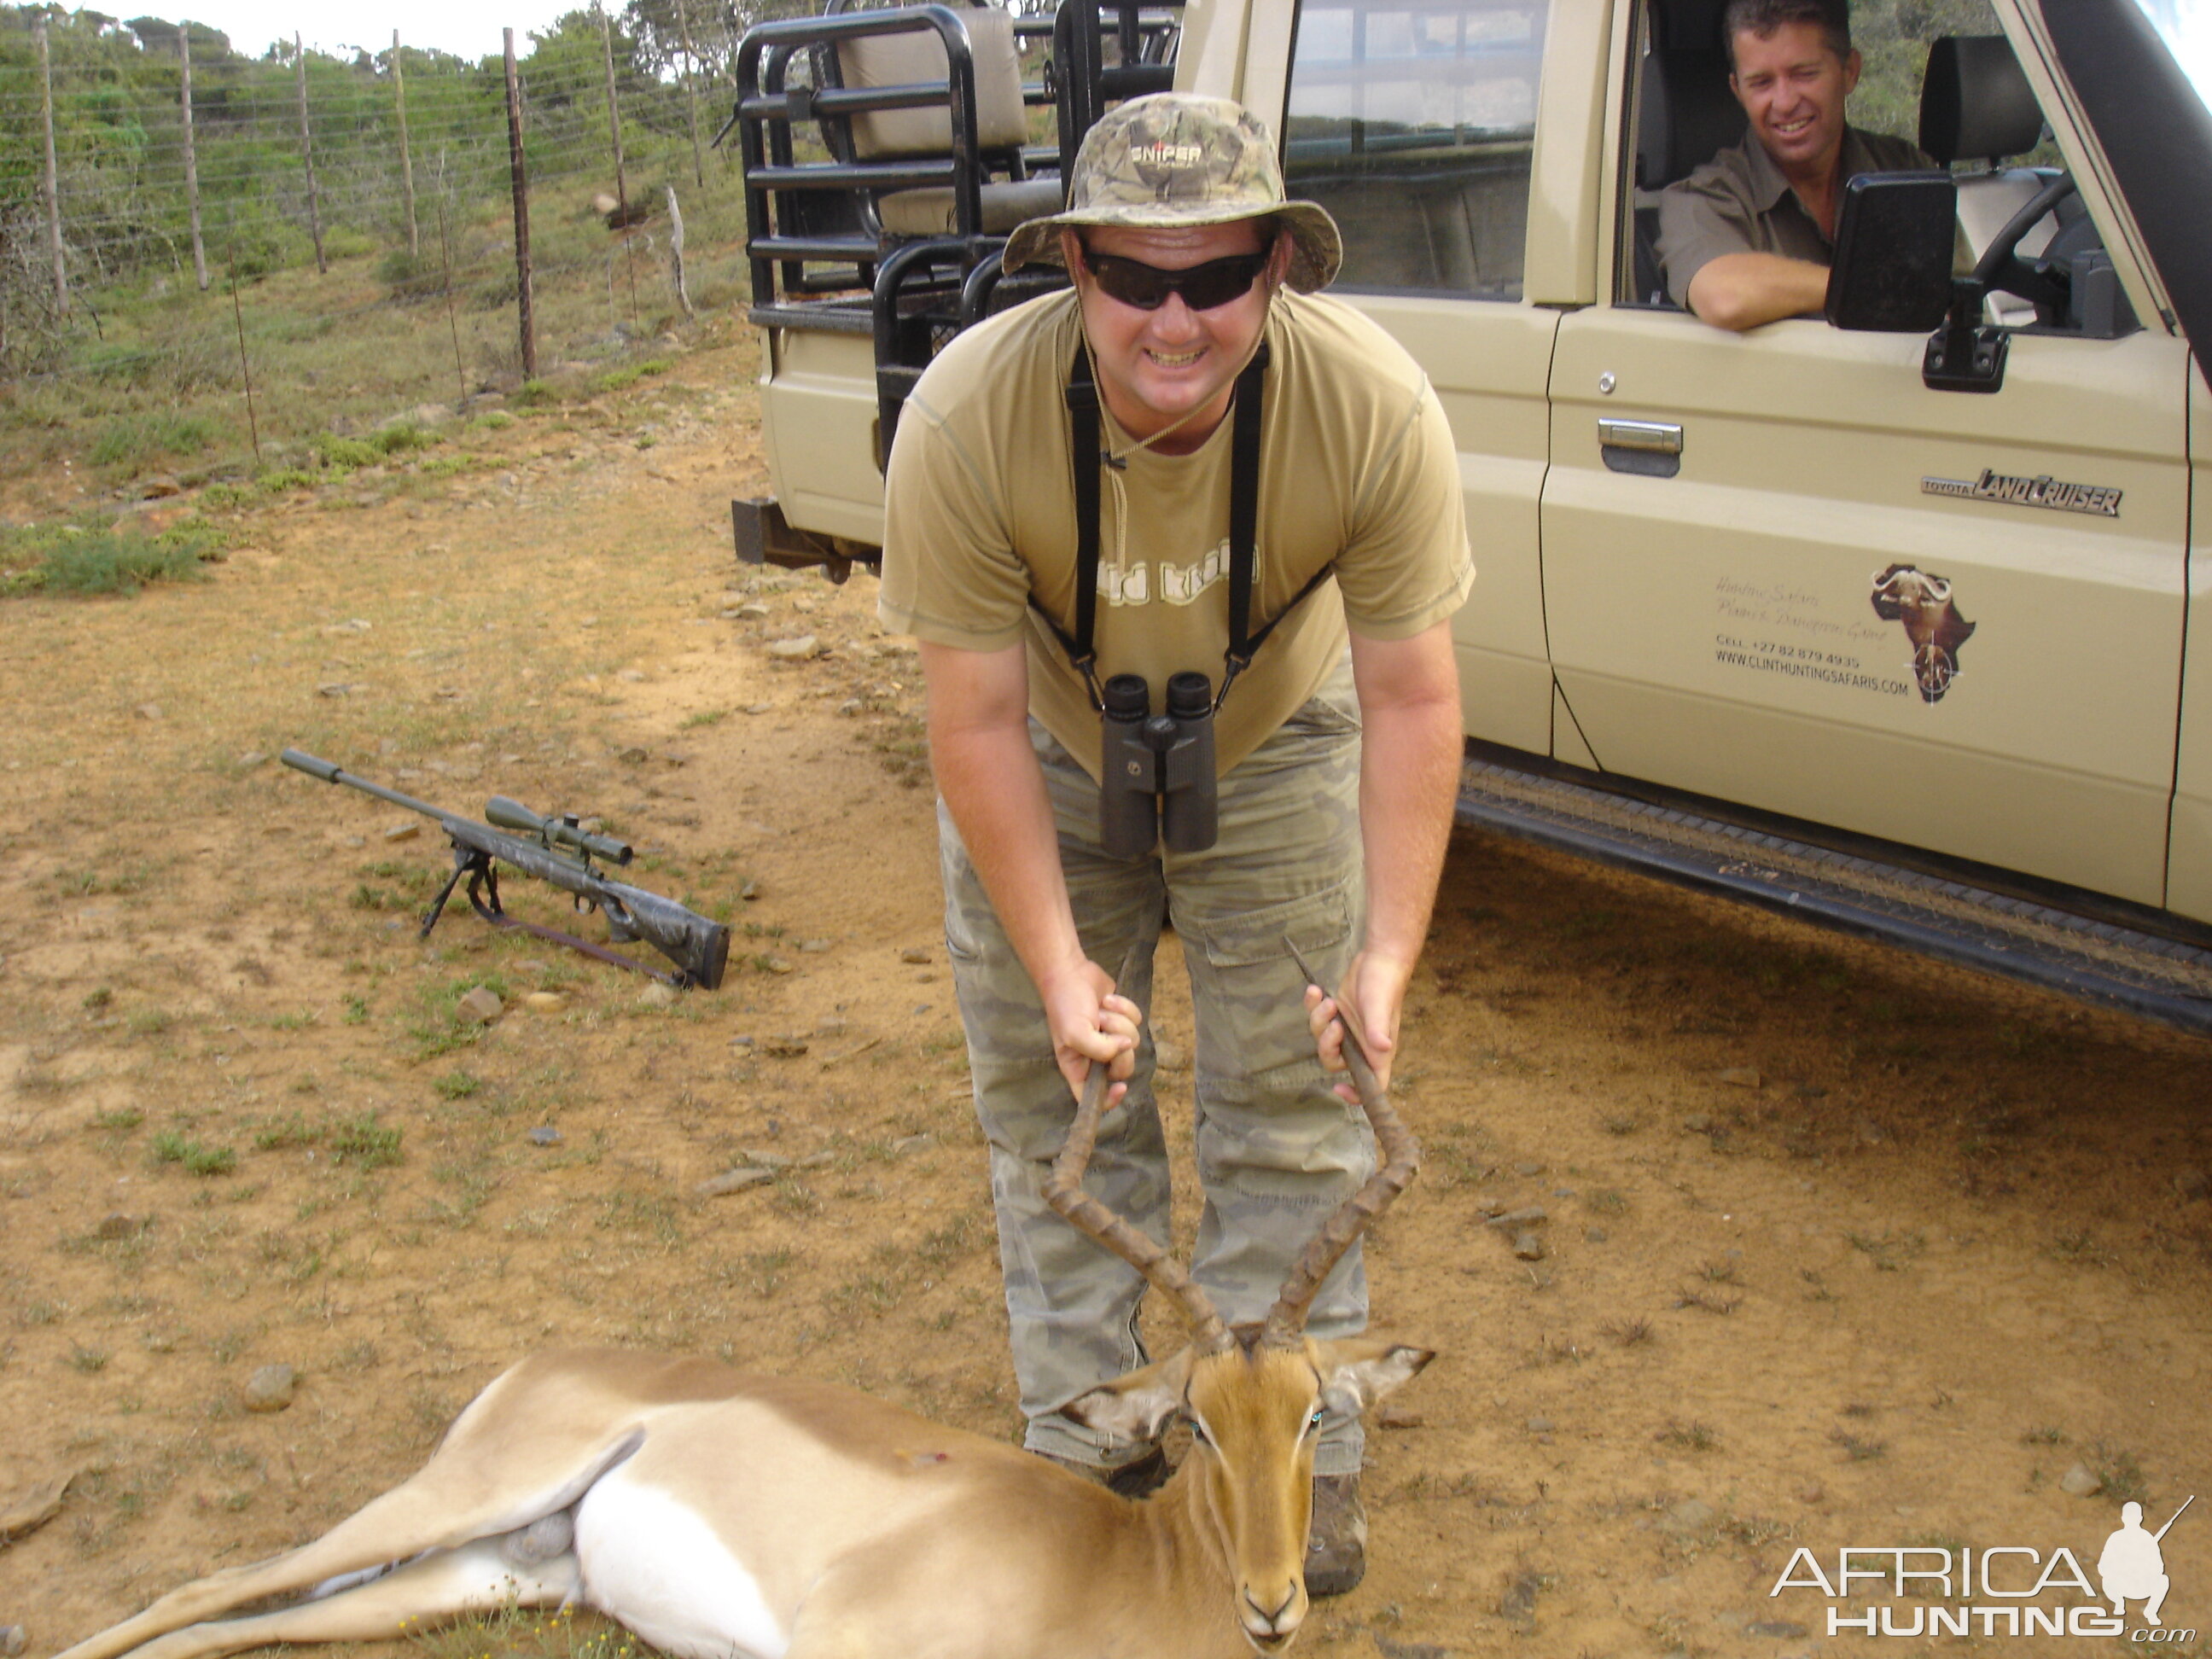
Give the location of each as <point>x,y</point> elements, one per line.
<point>1891,273</point>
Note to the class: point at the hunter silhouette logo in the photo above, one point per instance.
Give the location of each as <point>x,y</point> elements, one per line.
<point>2132,1567</point>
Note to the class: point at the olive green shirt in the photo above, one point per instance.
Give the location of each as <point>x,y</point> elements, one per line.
<point>1740,203</point>
<point>1357,469</point>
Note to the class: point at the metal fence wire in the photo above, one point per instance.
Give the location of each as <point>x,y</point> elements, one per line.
<point>153,180</point>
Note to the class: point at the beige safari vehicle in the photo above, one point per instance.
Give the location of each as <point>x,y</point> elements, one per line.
<point>1896,618</point>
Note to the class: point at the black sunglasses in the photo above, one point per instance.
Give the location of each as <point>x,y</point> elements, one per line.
<point>1203,287</point>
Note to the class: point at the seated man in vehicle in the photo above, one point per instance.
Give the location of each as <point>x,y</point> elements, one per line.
<point>1747,237</point>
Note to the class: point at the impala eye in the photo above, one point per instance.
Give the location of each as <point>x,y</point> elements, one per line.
<point>1314,1422</point>
<point>1198,1432</point>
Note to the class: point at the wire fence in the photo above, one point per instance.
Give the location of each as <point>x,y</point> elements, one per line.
<point>171,210</point>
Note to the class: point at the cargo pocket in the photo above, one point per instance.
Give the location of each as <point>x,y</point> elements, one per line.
<point>1252,1017</point>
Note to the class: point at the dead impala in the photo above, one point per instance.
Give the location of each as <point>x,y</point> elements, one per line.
<point>726,1516</point>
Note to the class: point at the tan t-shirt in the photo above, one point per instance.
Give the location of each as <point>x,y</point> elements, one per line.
<point>1357,466</point>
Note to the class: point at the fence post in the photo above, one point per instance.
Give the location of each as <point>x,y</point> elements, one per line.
<point>622,187</point>
<point>406,157</point>
<point>308,154</point>
<point>191,159</point>
<point>53,183</point>
<point>521,211</point>
<point>691,90</point>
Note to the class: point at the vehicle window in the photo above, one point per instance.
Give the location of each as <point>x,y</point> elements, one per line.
<point>1999,150</point>
<point>1412,121</point>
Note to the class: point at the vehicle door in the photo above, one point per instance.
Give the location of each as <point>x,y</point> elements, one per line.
<point>1780,570</point>
<point>1418,124</point>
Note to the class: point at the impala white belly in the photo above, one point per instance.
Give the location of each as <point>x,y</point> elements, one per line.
<point>652,1563</point>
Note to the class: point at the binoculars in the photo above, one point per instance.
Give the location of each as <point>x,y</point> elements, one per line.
<point>1156,783</point>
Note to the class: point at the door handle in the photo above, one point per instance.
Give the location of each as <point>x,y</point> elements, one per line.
<point>1651,448</point>
<point>1655,437</point>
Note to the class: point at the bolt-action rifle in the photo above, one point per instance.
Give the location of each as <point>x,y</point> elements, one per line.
<point>559,850</point>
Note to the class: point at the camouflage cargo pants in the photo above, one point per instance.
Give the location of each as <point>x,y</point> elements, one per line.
<point>1277,1149</point>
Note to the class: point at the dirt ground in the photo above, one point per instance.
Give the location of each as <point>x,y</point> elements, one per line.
<point>1839,1249</point>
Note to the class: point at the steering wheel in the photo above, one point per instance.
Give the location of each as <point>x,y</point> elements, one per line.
<point>2001,270</point>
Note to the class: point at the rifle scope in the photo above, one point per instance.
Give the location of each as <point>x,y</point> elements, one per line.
<point>559,831</point>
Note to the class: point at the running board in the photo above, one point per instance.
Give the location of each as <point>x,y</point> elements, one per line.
<point>2096,961</point>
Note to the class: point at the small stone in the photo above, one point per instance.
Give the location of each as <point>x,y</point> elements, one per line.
<point>1528,1247</point>
<point>1517,1606</point>
<point>749,891</point>
<point>117,1225</point>
<point>775,965</point>
<point>1529,1169</point>
<point>661,994</point>
<point>1390,1416</point>
<point>2192,1182</point>
<point>403,831</point>
<point>480,1006</point>
<point>920,1143</point>
<point>1539,1425</point>
<point>150,711</point>
<point>1522,1217</point>
<point>760,709</point>
<point>1777,1630</point>
<point>545,1135</point>
<point>753,611</point>
<point>13,1640</point>
<point>29,1508</point>
<point>269,1388</point>
<point>733,1180</point>
<point>252,758</point>
<point>634,755</point>
<point>545,1002</point>
<point>913,955</point>
<point>1742,1076</point>
<point>1488,1205</point>
<point>1813,1492</point>
<point>1699,1123</point>
<point>1594,1235</point>
<point>1170,1056</point>
<point>157,488</point>
<point>2080,1482</point>
<point>782,1048</point>
<point>633,676</point>
<point>813,947</point>
<point>794,650</point>
<point>1691,1514</point>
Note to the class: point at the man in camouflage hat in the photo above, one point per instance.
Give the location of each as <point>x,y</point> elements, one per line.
<point>1188,269</point>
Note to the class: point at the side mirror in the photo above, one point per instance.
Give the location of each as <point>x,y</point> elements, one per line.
<point>1895,234</point>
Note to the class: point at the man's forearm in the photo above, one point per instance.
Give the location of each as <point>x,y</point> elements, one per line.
<point>1742,290</point>
<point>991,783</point>
<point>1409,789</point>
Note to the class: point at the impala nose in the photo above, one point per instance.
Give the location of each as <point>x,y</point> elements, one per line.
<point>1269,1628</point>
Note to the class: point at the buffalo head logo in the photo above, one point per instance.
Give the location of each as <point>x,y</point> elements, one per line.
<point>1922,603</point>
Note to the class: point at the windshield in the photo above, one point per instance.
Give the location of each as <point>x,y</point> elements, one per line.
<point>2187,28</point>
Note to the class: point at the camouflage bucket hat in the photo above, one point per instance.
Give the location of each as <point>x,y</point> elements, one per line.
<point>1175,160</point>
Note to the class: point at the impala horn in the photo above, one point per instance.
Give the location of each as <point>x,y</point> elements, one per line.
<point>1400,1161</point>
<point>1063,1190</point>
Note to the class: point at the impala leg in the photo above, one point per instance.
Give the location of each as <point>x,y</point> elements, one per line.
<point>476,1578</point>
<point>458,1497</point>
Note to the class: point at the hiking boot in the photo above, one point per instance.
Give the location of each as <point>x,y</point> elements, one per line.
<point>1336,1548</point>
<point>1138,1479</point>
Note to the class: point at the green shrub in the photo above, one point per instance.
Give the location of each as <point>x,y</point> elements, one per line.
<point>111,561</point>
<point>365,1141</point>
<point>343,454</point>
<point>137,438</point>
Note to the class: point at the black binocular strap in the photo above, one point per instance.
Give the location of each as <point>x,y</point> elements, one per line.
<point>1087,456</point>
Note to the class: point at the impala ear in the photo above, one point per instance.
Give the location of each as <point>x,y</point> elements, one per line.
<point>1358,1371</point>
<point>1137,1407</point>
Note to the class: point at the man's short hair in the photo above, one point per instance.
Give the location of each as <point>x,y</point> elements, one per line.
<point>1762,17</point>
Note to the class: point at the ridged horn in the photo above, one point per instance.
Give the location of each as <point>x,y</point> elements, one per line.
<point>1400,1162</point>
<point>1063,1190</point>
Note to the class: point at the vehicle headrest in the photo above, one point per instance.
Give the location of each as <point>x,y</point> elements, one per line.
<point>1975,104</point>
<point>1688,113</point>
